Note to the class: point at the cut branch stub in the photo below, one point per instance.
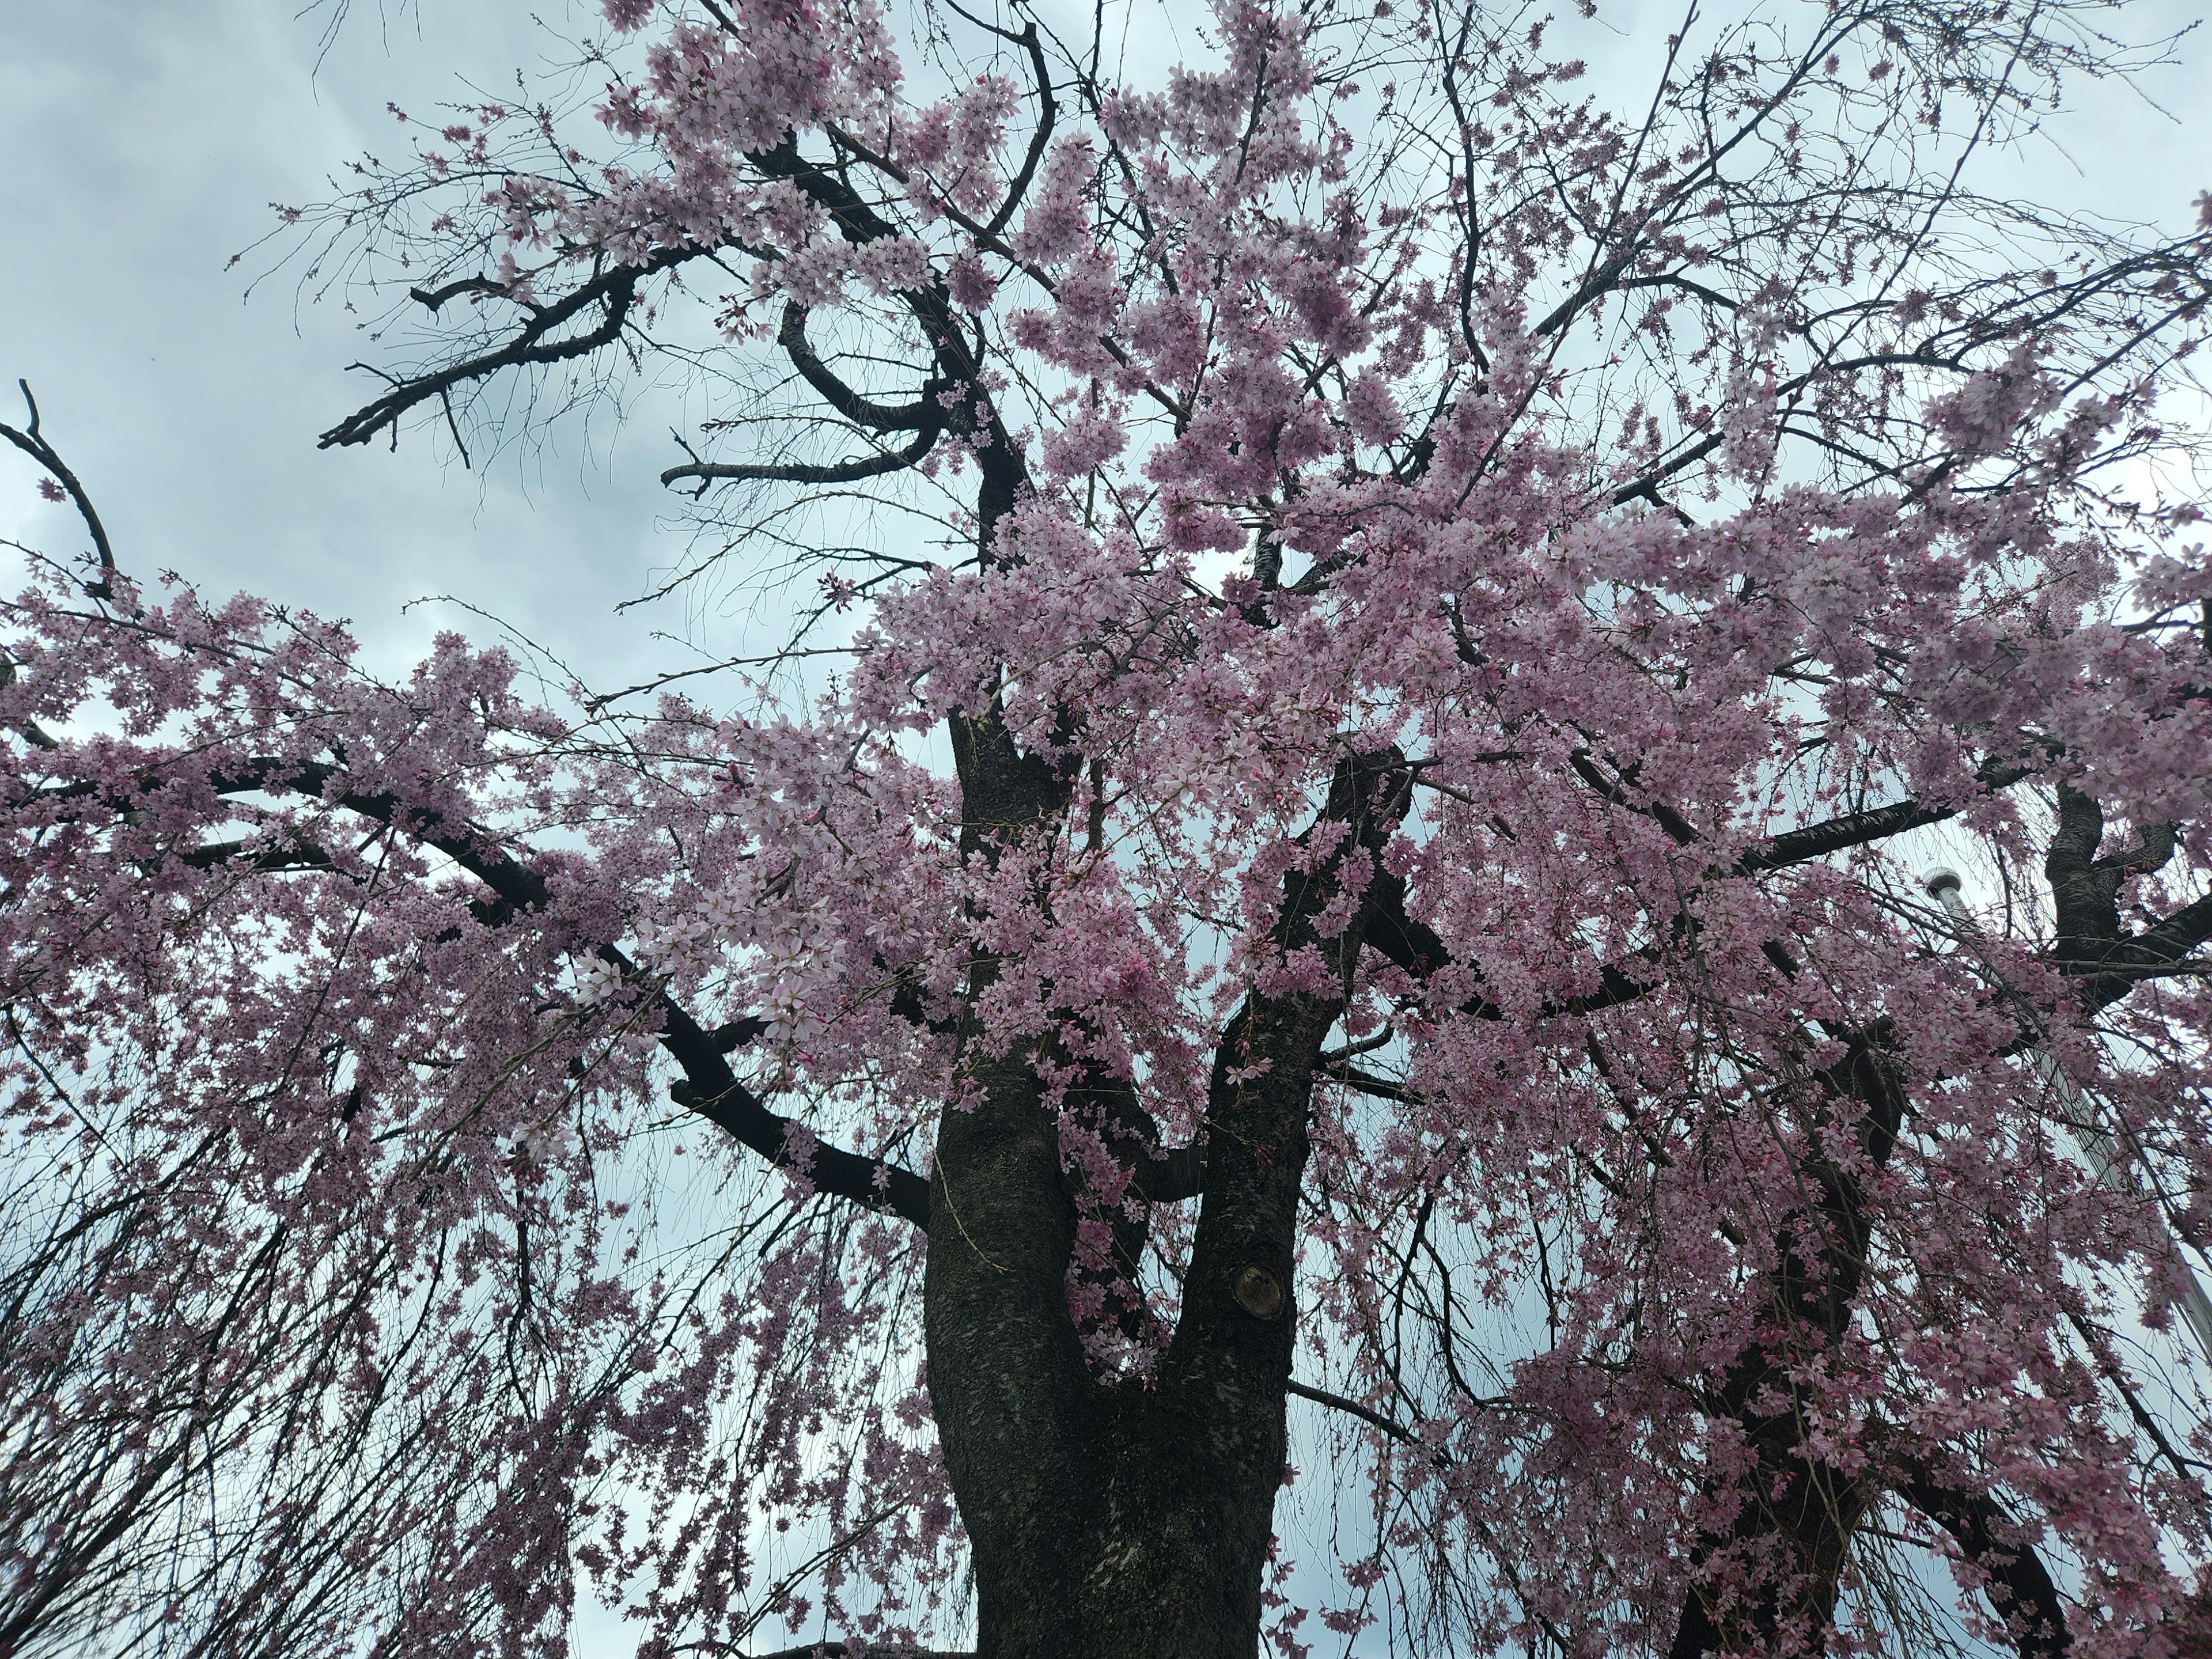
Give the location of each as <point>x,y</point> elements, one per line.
<point>1259,1292</point>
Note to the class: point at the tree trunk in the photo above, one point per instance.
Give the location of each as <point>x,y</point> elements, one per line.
<point>1123,1521</point>
<point>1133,1521</point>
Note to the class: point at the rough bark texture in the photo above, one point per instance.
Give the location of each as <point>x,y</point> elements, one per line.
<point>1804,1510</point>
<point>1131,1521</point>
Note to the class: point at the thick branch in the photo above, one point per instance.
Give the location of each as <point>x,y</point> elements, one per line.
<point>2084,889</point>
<point>614,289</point>
<point>1337,1402</point>
<point>32,442</point>
<point>1261,1094</point>
<point>2091,945</point>
<point>1807,1503</point>
<point>431,299</point>
<point>29,730</point>
<point>1817,841</point>
<point>1678,828</point>
<point>2128,963</point>
<point>1005,475</point>
<point>870,466</point>
<point>923,411</point>
<point>2019,1585</point>
<point>1608,279</point>
<point>1178,1174</point>
<point>1039,136</point>
<point>709,1087</point>
<point>860,224</point>
<point>292,854</point>
<point>1415,947</point>
<point>2175,937</point>
<point>712,1090</point>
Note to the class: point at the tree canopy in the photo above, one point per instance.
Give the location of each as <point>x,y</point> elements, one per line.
<point>1343,829</point>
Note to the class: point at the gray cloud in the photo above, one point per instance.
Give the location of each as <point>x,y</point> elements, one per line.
<point>144,146</point>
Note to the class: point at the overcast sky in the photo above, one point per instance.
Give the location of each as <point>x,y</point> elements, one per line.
<point>141,144</point>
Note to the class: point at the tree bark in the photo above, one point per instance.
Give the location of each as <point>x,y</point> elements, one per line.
<point>1133,1520</point>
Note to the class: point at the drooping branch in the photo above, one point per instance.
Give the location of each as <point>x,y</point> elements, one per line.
<point>708,1086</point>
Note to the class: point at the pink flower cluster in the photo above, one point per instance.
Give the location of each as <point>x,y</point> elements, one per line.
<point>1668,1142</point>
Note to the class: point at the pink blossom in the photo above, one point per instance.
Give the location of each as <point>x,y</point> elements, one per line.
<point>1341,886</point>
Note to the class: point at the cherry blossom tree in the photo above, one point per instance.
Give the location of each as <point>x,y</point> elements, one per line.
<point>1393,645</point>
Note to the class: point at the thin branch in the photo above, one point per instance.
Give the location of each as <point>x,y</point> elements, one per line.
<point>1337,1402</point>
